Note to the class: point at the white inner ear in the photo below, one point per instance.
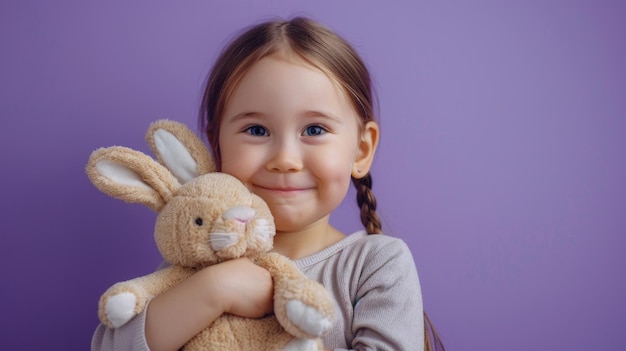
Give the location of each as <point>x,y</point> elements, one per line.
<point>120,174</point>
<point>175,156</point>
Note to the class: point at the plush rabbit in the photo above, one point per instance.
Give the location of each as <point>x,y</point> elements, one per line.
<point>206,217</point>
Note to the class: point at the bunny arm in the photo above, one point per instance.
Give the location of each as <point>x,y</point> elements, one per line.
<point>124,300</point>
<point>302,306</point>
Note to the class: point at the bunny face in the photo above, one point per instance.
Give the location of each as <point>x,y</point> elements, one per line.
<point>204,217</point>
<point>211,219</point>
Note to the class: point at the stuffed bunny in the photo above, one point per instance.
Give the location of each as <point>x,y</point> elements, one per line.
<point>206,217</point>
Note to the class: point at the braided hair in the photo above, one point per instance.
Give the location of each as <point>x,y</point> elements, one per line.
<point>367,203</point>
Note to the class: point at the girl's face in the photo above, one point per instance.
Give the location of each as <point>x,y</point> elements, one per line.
<point>291,136</point>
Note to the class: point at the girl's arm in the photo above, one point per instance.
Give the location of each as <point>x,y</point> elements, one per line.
<point>388,314</point>
<point>238,287</point>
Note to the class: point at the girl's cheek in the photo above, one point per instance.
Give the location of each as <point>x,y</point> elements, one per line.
<point>240,165</point>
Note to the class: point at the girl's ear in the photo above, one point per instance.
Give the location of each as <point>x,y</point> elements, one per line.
<point>366,149</point>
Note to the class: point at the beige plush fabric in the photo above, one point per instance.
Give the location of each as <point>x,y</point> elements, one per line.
<point>204,218</point>
<point>371,277</point>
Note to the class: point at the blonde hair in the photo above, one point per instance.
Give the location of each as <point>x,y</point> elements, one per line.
<point>323,49</point>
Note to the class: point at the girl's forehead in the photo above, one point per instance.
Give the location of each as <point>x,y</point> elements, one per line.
<point>287,75</point>
<point>288,85</point>
<point>291,57</point>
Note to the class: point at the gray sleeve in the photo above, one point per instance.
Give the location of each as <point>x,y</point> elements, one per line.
<point>129,337</point>
<point>388,314</point>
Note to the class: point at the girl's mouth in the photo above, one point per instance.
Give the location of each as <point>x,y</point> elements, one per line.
<point>288,190</point>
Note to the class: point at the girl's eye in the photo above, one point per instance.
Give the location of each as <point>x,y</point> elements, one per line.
<point>256,131</point>
<point>314,130</point>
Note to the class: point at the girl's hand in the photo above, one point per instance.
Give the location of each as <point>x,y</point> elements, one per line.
<point>246,289</point>
<point>237,287</point>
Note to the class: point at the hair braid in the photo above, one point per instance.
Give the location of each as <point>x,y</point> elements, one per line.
<point>367,203</point>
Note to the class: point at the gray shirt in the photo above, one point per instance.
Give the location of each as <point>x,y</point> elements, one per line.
<point>374,282</point>
<point>375,285</point>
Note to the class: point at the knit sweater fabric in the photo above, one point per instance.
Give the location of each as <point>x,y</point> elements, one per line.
<point>375,285</point>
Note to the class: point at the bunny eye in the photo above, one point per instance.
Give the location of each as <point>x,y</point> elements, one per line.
<point>199,221</point>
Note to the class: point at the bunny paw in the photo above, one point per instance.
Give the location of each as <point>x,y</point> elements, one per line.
<point>307,318</point>
<point>301,345</point>
<point>120,308</point>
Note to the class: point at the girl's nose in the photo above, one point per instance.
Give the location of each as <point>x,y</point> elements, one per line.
<point>285,158</point>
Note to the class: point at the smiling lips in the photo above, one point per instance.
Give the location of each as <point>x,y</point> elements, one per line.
<point>283,190</point>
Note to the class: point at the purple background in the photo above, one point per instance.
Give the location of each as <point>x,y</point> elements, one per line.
<point>502,160</point>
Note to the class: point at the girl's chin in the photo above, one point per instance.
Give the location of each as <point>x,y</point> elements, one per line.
<point>289,225</point>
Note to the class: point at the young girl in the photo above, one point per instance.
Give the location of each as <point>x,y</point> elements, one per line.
<point>288,110</point>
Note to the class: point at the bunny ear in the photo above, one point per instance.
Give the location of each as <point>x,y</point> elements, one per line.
<point>179,149</point>
<point>131,176</point>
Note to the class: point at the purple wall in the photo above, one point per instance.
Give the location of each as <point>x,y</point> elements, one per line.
<point>502,162</point>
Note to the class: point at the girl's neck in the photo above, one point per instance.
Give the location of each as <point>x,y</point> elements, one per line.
<point>305,242</point>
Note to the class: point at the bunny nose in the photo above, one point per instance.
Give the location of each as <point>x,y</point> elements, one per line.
<point>241,213</point>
